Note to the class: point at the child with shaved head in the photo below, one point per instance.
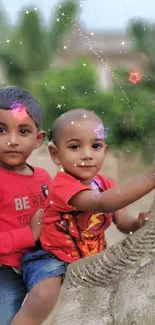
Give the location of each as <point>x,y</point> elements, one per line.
<point>82,203</point>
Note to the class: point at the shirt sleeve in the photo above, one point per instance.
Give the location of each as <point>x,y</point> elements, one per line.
<point>15,240</point>
<point>63,188</point>
<point>1,195</point>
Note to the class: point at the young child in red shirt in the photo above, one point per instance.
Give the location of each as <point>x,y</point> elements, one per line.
<point>81,204</point>
<point>23,191</point>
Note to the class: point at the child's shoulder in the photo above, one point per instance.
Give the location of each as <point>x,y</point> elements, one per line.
<point>65,182</point>
<point>41,172</point>
<point>104,181</point>
<point>63,175</point>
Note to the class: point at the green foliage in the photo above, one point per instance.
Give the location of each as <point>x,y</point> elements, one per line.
<point>67,14</point>
<point>143,35</point>
<point>127,109</point>
<point>140,32</point>
<point>31,32</point>
<point>80,90</point>
<point>5,28</point>
<point>33,46</point>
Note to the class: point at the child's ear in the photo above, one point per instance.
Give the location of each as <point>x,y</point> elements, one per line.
<point>40,138</point>
<point>54,154</point>
<point>106,148</point>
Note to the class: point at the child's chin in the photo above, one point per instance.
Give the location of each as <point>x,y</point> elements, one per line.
<point>86,176</point>
<point>12,163</point>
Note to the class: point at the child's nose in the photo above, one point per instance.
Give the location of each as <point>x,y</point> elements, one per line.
<point>13,139</point>
<point>87,153</point>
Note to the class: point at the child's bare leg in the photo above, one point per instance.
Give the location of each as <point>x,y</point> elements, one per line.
<point>39,303</point>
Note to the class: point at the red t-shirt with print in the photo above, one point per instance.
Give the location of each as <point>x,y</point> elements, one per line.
<point>71,234</point>
<point>20,197</point>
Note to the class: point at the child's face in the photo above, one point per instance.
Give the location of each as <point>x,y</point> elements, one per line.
<point>81,149</point>
<point>18,137</point>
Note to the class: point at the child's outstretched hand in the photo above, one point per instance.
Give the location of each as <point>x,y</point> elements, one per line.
<point>142,218</point>
<point>36,223</point>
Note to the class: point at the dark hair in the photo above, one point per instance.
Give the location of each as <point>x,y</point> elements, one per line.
<point>11,97</point>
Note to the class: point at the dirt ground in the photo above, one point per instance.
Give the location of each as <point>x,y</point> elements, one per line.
<point>118,166</point>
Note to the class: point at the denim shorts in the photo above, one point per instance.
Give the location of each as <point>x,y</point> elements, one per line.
<point>12,293</point>
<point>39,265</point>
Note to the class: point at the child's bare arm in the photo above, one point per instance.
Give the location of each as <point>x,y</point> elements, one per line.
<point>127,223</point>
<point>117,197</point>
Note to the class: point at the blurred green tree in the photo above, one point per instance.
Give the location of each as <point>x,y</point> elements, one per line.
<point>32,45</point>
<point>136,102</point>
<point>76,86</point>
<point>143,35</point>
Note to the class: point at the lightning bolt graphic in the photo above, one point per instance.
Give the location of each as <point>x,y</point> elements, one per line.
<point>94,219</point>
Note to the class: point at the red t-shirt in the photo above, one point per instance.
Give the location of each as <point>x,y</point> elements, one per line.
<point>69,234</point>
<point>20,197</point>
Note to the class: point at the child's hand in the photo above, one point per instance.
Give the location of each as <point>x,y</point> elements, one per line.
<point>142,218</point>
<point>36,223</point>
<point>151,173</point>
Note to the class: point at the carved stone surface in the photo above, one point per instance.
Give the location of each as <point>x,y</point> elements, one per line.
<point>116,287</point>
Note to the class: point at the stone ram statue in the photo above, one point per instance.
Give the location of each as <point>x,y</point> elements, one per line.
<point>115,287</point>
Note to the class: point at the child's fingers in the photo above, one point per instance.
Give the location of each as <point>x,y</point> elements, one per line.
<point>39,214</point>
<point>143,217</point>
<point>40,219</point>
<point>140,221</point>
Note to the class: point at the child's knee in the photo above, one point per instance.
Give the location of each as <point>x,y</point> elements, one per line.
<point>46,291</point>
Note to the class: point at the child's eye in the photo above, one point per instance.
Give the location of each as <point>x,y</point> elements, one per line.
<point>23,131</point>
<point>2,130</point>
<point>74,146</point>
<point>97,145</point>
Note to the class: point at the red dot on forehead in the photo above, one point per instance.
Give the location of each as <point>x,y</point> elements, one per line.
<point>19,112</point>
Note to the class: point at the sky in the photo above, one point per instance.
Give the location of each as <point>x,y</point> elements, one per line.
<point>95,14</point>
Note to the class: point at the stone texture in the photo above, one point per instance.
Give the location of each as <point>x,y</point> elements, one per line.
<point>116,287</point>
